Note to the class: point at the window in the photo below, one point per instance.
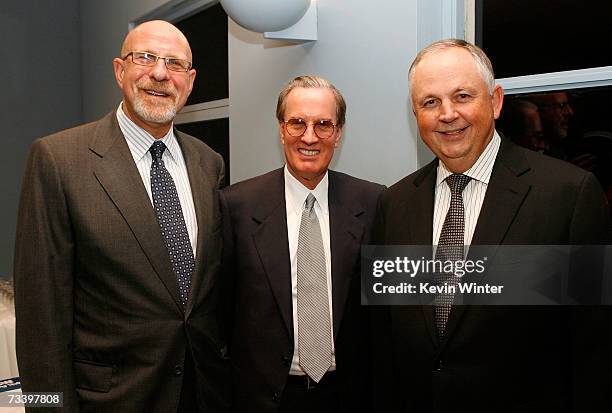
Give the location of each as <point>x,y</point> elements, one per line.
<point>526,37</point>
<point>542,45</point>
<point>206,114</point>
<point>551,58</point>
<point>568,124</point>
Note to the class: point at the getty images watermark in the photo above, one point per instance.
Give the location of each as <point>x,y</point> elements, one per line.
<point>488,275</point>
<point>412,268</point>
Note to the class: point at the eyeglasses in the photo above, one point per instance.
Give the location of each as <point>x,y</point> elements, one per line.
<point>149,59</point>
<point>323,128</point>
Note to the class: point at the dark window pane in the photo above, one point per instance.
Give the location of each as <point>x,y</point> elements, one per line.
<point>572,125</point>
<point>524,37</point>
<point>214,133</point>
<point>207,35</point>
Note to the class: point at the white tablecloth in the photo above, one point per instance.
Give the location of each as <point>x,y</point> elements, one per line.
<point>8,360</point>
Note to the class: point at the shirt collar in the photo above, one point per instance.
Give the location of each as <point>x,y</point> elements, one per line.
<point>139,140</point>
<point>482,168</point>
<point>296,193</point>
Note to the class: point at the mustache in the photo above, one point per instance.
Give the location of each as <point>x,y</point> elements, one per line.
<point>161,87</point>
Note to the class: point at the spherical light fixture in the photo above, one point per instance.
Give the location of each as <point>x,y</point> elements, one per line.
<point>265,15</point>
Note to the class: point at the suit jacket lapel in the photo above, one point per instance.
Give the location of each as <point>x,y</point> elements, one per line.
<point>118,175</point>
<point>506,193</point>
<point>346,234</point>
<point>271,242</point>
<point>202,193</point>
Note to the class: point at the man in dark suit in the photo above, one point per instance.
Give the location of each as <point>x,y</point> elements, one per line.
<point>118,249</point>
<point>296,341</point>
<point>477,358</point>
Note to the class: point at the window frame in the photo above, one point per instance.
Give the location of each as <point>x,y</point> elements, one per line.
<point>541,82</point>
<point>173,11</point>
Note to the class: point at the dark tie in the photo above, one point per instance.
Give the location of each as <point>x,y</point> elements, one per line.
<point>171,221</point>
<point>450,247</point>
<point>314,328</point>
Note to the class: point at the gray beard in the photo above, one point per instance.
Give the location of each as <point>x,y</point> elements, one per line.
<point>155,114</point>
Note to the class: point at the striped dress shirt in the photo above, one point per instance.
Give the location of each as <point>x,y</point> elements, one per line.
<point>473,194</point>
<point>139,141</point>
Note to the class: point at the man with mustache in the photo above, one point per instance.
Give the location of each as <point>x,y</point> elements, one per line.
<point>118,249</point>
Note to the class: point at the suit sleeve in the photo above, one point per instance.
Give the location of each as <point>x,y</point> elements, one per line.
<point>381,383</point>
<point>221,177</point>
<point>227,271</point>
<point>43,273</point>
<point>591,219</point>
<point>590,325</point>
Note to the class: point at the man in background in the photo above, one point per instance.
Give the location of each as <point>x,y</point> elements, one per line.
<point>520,122</point>
<point>117,253</point>
<point>555,112</point>
<point>292,241</point>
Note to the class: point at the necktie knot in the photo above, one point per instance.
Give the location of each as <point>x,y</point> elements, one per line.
<point>157,150</point>
<point>457,183</point>
<point>310,200</point>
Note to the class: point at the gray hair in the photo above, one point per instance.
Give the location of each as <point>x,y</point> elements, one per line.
<point>480,58</point>
<point>311,82</point>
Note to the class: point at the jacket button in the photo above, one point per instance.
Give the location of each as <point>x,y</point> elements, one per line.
<point>188,322</point>
<point>178,370</point>
<point>276,397</point>
<point>286,360</point>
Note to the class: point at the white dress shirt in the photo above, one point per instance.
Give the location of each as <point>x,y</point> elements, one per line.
<point>473,194</point>
<point>139,141</point>
<point>295,199</point>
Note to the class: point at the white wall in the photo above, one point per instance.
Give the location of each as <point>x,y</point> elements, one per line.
<point>365,49</point>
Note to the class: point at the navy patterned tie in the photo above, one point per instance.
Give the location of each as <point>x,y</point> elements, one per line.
<point>450,246</point>
<point>171,221</point>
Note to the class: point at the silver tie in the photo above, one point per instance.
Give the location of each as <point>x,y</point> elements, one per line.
<point>314,328</point>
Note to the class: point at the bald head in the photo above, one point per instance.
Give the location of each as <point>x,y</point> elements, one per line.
<point>157,80</point>
<point>160,32</point>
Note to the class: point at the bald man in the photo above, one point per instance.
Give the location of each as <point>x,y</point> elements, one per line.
<point>117,249</point>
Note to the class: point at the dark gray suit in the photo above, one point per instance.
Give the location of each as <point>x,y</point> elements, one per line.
<point>502,359</point>
<point>98,310</point>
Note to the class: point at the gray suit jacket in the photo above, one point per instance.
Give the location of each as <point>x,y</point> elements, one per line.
<point>99,316</point>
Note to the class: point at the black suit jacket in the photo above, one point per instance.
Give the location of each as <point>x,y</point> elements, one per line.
<point>258,265</point>
<point>494,358</point>
<point>99,316</point>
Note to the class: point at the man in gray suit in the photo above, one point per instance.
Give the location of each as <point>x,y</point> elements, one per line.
<point>118,249</point>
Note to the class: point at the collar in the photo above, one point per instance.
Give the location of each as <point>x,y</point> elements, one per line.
<point>482,168</point>
<point>296,193</point>
<point>139,140</point>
